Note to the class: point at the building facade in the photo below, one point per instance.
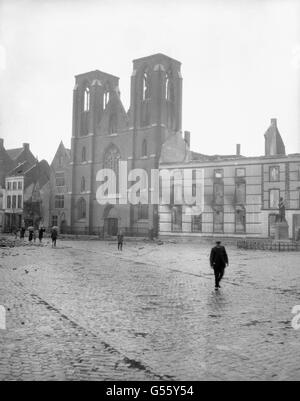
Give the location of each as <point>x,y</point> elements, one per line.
<point>26,196</point>
<point>241,194</point>
<point>60,190</point>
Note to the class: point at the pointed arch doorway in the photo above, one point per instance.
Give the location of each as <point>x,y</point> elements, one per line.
<point>111,221</point>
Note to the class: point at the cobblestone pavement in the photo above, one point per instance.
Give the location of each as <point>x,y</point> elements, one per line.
<point>85,311</point>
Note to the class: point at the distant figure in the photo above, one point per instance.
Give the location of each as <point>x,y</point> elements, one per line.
<point>54,236</point>
<point>218,261</point>
<point>120,241</point>
<point>41,234</point>
<point>15,232</point>
<point>22,232</point>
<point>31,233</point>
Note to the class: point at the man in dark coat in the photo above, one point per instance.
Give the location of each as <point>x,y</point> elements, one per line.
<point>54,237</point>
<point>120,241</point>
<point>218,261</point>
<point>41,234</point>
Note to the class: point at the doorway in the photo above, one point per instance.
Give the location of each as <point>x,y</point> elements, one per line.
<point>296,227</point>
<point>111,226</point>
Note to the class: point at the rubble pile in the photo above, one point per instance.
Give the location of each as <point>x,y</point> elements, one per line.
<point>6,243</point>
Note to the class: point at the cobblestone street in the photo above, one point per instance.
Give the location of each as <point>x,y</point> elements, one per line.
<point>85,311</point>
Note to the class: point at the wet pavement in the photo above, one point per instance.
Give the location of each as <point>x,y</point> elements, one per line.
<point>85,311</point>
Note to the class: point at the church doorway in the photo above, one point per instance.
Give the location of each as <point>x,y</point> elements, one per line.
<point>111,226</point>
<point>296,227</point>
<point>111,221</point>
<point>63,227</point>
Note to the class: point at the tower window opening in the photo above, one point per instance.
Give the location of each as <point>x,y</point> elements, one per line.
<point>82,184</point>
<point>146,86</point>
<point>113,123</point>
<point>144,148</point>
<point>169,88</point>
<point>86,103</point>
<point>105,99</point>
<point>83,154</point>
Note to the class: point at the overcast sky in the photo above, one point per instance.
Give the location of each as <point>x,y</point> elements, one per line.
<point>240,65</point>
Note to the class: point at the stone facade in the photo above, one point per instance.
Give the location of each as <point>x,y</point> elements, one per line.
<point>24,188</point>
<point>241,194</point>
<point>60,190</point>
<point>104,133</point>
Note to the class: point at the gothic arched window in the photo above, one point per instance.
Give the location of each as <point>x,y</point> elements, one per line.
<point>86,99</point>
<point>81,208</point>
<point>113,122</point>
<point>82,186</point>
<point>146,85</point>
<point>112,158</point>
<point>169,87</point>
<point>106,97</point>
<point>83,154</point>
<point>85,110</point>
<point>144,148</point>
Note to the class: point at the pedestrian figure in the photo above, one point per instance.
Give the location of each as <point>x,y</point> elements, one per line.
<point>218,261</point>
<point>22,233</point>
<point>41,234</point>
<point>15,232</point>
<point>120,241</point>
<point>31,232</point>
<point>54,236</point>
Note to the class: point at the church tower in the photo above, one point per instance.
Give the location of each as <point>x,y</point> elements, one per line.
<point>155,114</point>
<point>103,134</point>
<point>91,96</point>
<point>156,97</point>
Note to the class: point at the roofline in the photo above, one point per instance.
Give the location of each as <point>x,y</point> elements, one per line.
<point>19,165</point>
<point>97,72</point>
<point>155,55</point>
<point>235,161</point>
<point>10,150</point>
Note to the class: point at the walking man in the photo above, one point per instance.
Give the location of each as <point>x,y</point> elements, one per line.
<point>218,261</point>
<point>41,234</point>
<point>54,236</point>
<point>22,233</point>
<point>120,241</point>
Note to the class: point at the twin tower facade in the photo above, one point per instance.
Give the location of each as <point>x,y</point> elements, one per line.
<point>104,133</point>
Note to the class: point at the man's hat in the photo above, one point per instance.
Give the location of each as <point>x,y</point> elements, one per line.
<point>218,242</point>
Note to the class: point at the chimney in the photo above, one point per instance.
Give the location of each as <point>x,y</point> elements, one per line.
<point>274,122</point>
<point>238,149</point>
<point>26,146</point>
<point>1,143</point>
<point>187,138</point>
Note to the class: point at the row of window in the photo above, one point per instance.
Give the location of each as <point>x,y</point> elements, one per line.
<point>87,99</point>
<point>146,94</point>
<point>14,202</point>
<point>274,173</point>
<point>239,173</point>
<point>114,156</point>
<point>14,185</point>
<point>168,87</point>
<point>274,198</point>
<point>218,221</point>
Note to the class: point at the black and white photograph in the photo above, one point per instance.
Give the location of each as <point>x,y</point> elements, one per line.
<point>149,193</point>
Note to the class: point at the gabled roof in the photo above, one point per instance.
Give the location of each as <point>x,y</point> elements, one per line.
<point>61,148</point>
<point>20,169</point>
<point>14,153</point>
